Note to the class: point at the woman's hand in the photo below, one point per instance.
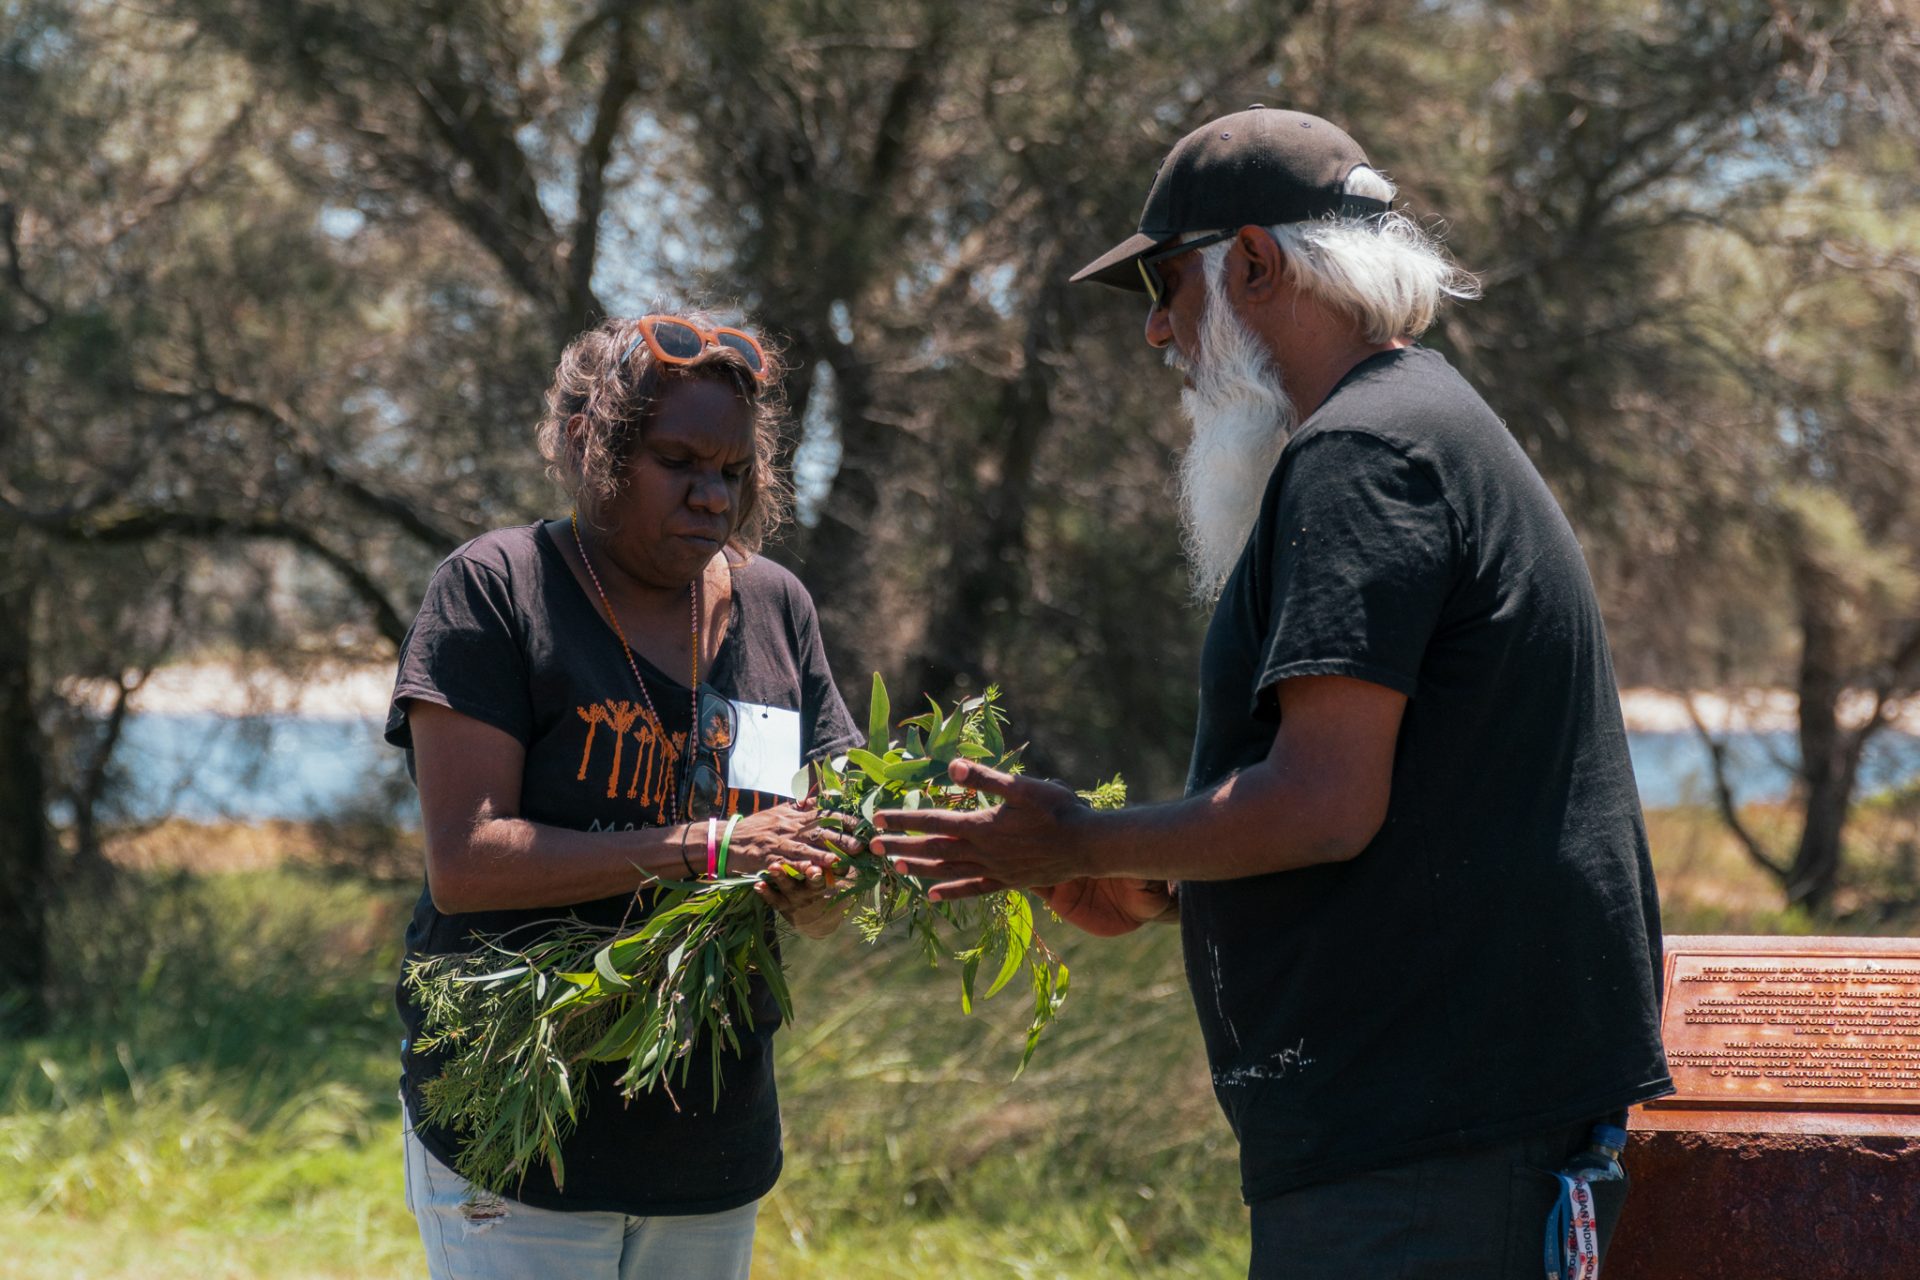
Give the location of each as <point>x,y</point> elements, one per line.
<point>804,897</point>
<point>786,833</point>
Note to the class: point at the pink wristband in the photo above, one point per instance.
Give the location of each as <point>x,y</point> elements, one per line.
<point>713,848</point>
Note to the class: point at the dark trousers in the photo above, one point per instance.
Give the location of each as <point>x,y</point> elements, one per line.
<point>1465,1215</point>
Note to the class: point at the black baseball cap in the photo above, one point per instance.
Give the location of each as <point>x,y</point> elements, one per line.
<point>1261,167</point>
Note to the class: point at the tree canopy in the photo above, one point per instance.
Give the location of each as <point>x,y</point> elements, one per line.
<point>281,284</point>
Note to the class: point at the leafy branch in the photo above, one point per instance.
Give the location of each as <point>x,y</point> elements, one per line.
<point>518,1023</point>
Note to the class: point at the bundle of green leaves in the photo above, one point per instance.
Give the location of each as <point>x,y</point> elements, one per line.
<point>517,1022</point>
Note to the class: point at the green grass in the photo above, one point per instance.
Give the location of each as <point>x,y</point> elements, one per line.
<point>217,1099</point>
<point>1709,883</point>
<point>912,1150</point>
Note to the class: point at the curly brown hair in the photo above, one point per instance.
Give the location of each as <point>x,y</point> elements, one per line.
<point>598,409</point>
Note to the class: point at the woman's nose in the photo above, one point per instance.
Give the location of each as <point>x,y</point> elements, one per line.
<point>709,492</point>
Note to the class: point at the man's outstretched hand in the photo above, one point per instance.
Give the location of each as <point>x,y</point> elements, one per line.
<point>1033,837</point>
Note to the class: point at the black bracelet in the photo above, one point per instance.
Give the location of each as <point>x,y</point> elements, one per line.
<point>691,873</point>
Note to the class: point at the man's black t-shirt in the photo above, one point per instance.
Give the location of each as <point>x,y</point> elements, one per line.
<point>1489,964</point>
<point>507,636</point>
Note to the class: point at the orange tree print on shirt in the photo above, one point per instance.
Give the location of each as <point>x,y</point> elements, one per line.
<point>655,753</point>
<point>595,715</point>
<point>621,715</point>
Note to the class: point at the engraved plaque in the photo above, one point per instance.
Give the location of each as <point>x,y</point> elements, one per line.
<point>1802,1024</point>
<point>1792,1144</point>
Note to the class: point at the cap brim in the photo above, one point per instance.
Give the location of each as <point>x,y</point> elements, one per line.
<point>1115,266</point>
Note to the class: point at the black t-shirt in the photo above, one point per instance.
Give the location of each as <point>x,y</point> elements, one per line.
<point>507,636</point>
<point>1489,964</point>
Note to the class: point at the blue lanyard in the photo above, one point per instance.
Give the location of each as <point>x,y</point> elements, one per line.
<point>1573,1231</point>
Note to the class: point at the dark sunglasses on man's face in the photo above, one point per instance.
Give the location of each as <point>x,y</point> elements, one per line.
<point>1150,272</point>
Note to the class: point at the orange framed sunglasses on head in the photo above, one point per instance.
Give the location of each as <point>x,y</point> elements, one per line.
<point>676,341</point>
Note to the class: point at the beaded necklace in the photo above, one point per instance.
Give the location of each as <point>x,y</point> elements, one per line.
<point>693,717</point>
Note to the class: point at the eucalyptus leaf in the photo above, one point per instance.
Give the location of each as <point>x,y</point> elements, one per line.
<point>969,966</point>
<point>879,712</point>
<point>616,1043</point>
<point>945,743</point>
<point>910,773</point>
<point>501,976</point>
<point>1019,935</point>
<point>612,977</point>
<point>869,763</point>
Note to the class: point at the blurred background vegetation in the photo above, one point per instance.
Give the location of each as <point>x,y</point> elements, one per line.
<point>281,282</point>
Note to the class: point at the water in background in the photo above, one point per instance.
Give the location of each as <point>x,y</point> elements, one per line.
<point>210,767</point>
<point>1673,768</point>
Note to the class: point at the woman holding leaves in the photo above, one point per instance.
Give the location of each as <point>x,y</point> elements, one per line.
<point>592,704</point>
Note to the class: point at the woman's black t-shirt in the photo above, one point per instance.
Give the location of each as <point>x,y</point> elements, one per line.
<point>507,636</point>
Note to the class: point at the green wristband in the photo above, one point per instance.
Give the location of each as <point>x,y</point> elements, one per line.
<point>725,840</point>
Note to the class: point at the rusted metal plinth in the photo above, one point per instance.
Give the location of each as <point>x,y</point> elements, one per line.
<point>1769,1206</point>
<point>1791,1148</point>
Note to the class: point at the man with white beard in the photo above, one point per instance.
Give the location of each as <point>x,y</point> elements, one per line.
<point>1410,872</point>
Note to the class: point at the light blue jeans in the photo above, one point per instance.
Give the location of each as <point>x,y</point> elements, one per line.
<point>474,1235</point>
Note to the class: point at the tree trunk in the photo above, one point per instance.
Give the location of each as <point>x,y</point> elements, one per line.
<point>25,846</point>
<point>88,858</point>
<point>835,557</point>
<point>1827,766</point>
<point>988,571</point>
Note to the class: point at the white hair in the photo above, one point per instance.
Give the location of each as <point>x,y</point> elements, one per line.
<point>1387,272</point>
<point>1241,417</point>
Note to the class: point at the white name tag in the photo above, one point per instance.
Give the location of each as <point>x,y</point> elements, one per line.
<point>766,749</point>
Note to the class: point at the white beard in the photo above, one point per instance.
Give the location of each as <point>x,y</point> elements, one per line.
<point>1241,417</point>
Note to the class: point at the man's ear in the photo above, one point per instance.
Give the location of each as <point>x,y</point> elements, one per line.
<point>575,425</point>
<point>1261,267</point>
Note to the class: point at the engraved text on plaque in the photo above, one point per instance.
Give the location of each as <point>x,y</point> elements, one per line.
<point>1810,1029</point>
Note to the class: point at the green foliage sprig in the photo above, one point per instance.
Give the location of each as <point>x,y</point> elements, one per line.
<point>517,1024</point>
<point>911,773</point>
